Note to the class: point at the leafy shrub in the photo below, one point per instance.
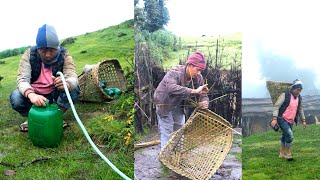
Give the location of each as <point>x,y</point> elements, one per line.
<point>161,44</point>
<point>13,52</point>
<point>69,40</point>
<point>121,34</point>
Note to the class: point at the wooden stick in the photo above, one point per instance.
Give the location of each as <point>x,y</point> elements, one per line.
<point>146,144</point>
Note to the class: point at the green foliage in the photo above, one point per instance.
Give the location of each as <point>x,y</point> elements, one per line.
<point>129,78</point>
<point>111,133</point>
<point>163,13</point>
<point>260,155</point>
<point>122,105</point>
<point>69,40</point>
<point>104,44</point>
<point>152,17</point>
<point>13,52</point>
<point>163,38</point>
<point>229,50</point>
<point>139,18</point>
<point>136,2</point>
<point>161,44</point>
<point>152,12</point>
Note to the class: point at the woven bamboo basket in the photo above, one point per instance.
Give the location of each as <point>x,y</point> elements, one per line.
<point>198,149</point>
<point>276,89</point>
<point>108,71</point>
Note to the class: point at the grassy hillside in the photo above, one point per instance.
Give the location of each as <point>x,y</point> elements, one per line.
<point>112,42</point>
<point>260,155</point>
<point>108,123</point>
<point>206,44</point>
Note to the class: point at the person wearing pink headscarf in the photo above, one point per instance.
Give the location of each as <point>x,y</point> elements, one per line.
<point>180,83</point>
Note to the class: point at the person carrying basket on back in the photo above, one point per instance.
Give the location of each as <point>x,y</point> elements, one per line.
<point>285,112</point>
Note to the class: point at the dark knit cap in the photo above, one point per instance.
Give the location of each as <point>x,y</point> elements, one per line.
<point>297,84</point>
<point>47,37</point>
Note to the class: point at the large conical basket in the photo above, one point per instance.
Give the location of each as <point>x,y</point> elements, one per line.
<point>108,71</point>
<point>276,89</point>
<point>198,149</point>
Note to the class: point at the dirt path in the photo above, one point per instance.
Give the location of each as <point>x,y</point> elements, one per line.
<point>148,167</point>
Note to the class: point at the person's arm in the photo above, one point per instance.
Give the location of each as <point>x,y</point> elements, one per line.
<point>24,74</point>
<point>277,105</point>
<point>69,72</point>
<point>203,98</point>
<point>23,81</point>
<point>204,94</point>
<point>301,115</point>
<point>173,87</point>
<point>200,90</point>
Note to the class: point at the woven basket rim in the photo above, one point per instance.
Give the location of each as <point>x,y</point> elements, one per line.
<point>220,117</point>
<point>95,72</point>
<point>275,89</point>
<point>279,82</point>
<point>222,155</point>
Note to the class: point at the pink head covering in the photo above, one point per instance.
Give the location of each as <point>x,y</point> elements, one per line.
<point>197,59</point>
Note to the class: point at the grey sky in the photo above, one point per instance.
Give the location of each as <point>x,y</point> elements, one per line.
<point>205,17</point>
<point>272,31</point>
<point>20,20</point>
<point>285,31</point>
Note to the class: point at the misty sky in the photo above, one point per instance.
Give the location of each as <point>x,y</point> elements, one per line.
<point>20,20</point>
<point>282,44</point>
<point>277,33</point>
<point>280,38</point>
<point>279,57</point>
<point>209,17</point>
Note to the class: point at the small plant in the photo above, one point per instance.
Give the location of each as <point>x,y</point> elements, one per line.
<point>69,40</point>
<point>121,34</point>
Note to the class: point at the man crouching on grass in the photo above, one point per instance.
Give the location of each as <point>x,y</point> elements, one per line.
<point>36,83</point>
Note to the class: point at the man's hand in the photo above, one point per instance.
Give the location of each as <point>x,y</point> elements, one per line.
<point>203,105</point>
<point>200,90</point>
<point>304,124</point>
<point>58,83</point>
<point>274,122</point>
<point>37,99</point>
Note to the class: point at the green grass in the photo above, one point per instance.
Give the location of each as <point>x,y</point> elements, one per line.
<point>104,44</point>
<point>208,44</point>
<point>260,155</point>
<point>74,158</point>
<point>237,144</point>
<point>165,171</point>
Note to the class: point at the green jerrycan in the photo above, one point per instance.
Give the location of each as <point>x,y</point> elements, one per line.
<point>109,92</point>
<point>45,125</point>
<point>117,92</point>
<point>113,92</point>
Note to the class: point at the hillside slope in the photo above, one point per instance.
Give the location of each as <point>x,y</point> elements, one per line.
<point>112,42</point>
<point>231,45</point>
